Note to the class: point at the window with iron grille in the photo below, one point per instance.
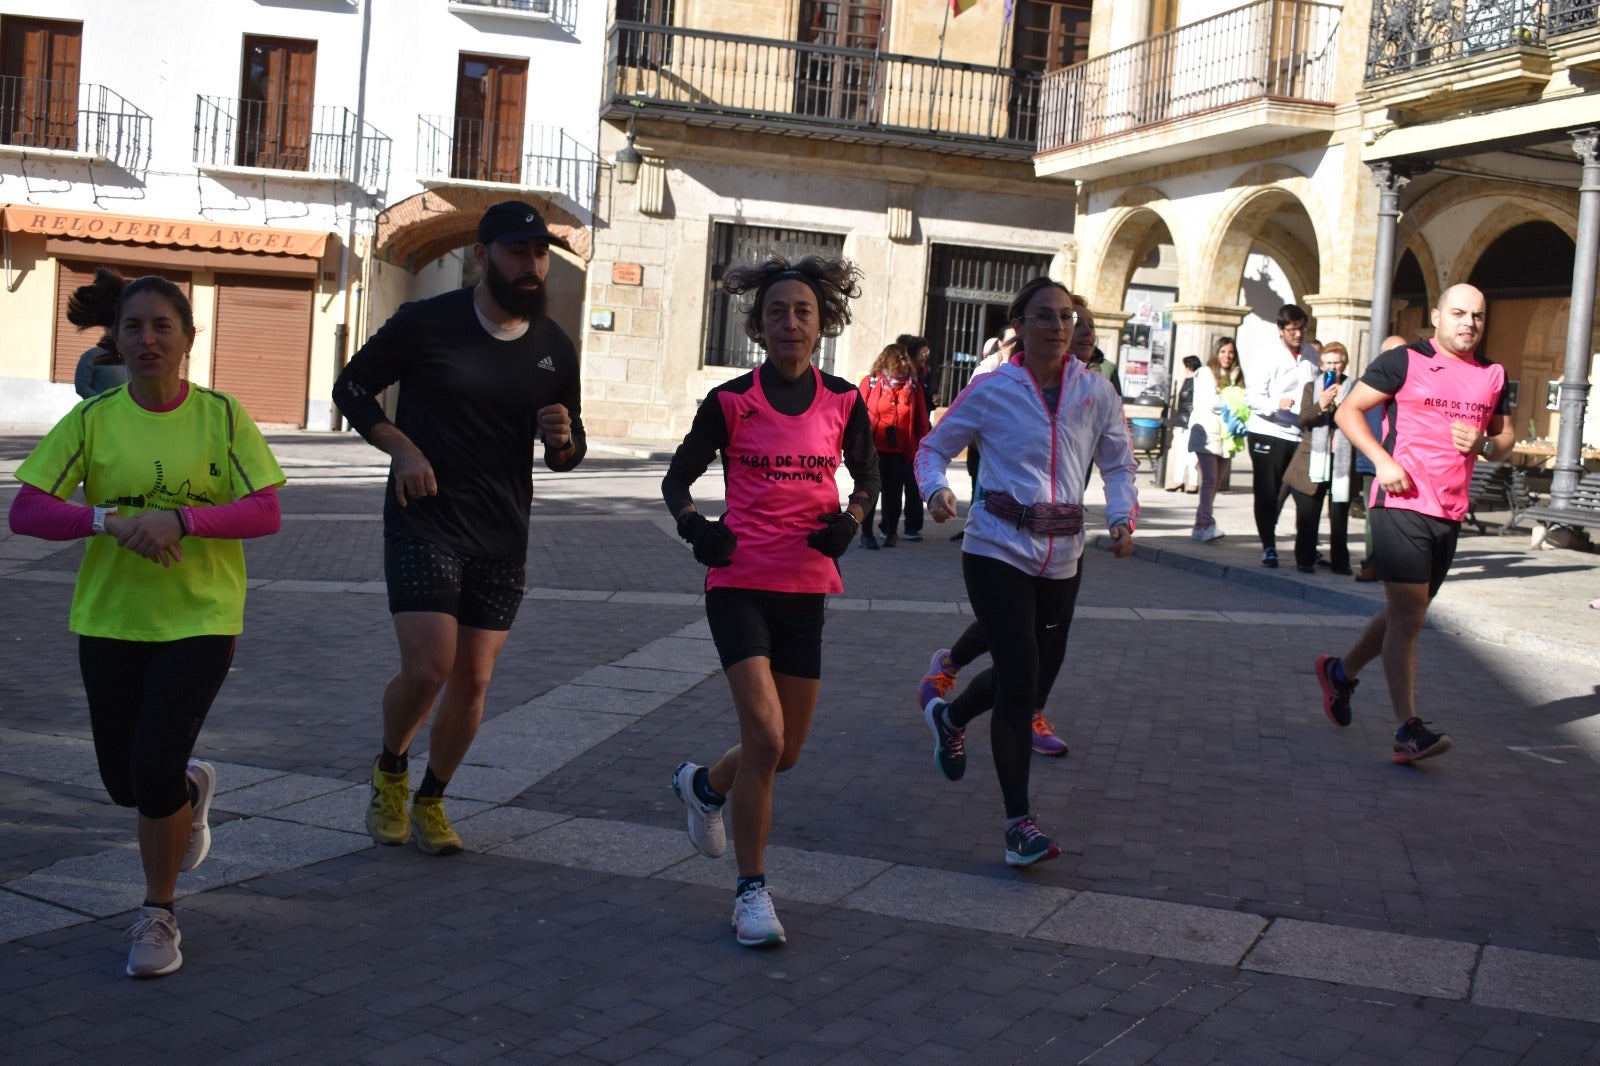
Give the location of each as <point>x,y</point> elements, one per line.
<point>969,290</point>
<point>731,244</point>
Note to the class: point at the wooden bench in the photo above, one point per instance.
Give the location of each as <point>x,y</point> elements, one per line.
<point>1497,487</point>
<point>1583,510</point>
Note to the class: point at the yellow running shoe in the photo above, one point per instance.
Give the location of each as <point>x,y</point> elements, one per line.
<point>430,829</point>
<point>386,810</point>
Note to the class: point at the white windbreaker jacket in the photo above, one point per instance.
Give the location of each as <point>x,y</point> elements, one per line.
<point>1036,457</point>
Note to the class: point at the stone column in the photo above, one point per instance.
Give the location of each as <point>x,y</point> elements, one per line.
<point>1345,319</point>
<point>1391,178</point>
<point>1580,323</point>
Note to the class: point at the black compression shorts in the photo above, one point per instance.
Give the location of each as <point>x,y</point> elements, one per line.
<point>785,627</point>
<point>1411,548</point>
<point>422,576</point>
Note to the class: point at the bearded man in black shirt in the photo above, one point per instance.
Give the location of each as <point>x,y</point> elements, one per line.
<point>483,376</point>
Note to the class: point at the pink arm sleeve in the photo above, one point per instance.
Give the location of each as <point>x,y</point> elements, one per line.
<point>256,515</point>
<point>36,513</point>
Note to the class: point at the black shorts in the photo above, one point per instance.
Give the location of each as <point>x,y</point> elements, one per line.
<point>785,627</point>
<point>1411,548</point>
<point>422,576</point>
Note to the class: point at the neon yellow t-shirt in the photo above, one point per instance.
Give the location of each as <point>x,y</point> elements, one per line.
<point>204,452</point>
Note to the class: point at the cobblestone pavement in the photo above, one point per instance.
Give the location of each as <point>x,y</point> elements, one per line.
<point>1241,883</point>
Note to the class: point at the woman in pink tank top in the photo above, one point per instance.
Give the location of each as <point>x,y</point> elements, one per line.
<point>782,431</point>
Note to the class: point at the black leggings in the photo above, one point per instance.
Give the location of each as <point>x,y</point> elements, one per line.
<point>971,644</point>
<point>147,701</point>
<point>1020,616</point>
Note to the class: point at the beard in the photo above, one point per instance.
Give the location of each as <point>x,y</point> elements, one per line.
<point>512,297</point>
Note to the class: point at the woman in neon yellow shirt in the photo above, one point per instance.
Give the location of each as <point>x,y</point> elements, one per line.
<point>175,475</point>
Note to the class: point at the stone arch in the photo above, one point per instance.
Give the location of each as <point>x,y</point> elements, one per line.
<point>1135,223</point>
<point>1255,197</point>
<point>1532,202</point>
<point>1419,247</point>
<point>423,227</point>
<point>1513,213</point>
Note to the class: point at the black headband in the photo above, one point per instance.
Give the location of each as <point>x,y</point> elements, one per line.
<point>788,275</point>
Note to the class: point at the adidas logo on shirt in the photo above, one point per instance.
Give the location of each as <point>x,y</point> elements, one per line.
<point>547,363</point>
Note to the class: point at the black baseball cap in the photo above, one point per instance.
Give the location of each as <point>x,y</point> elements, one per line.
<point>513,221</point>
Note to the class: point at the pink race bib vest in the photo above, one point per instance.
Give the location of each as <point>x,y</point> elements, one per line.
<point>1437,392</point>
<point>780,476</point>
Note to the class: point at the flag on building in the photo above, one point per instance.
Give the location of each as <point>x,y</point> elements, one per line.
<point>958,6</point>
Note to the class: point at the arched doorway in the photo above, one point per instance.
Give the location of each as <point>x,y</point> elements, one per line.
<point>1526,276</point>
<point>424,244</point>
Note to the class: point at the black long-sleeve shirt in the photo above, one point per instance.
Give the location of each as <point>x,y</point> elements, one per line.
<point>709,435</point>
<point>470,403</point>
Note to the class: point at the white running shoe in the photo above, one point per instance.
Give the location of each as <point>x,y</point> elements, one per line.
<point>705,821</point>
<point>755,923</point>
<point>204,777</point>
<point>155,944</point>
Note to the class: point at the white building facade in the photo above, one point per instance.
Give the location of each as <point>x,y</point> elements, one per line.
<point>299,169</point>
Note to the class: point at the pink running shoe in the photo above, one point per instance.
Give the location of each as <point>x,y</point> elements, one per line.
<point>940,680</point>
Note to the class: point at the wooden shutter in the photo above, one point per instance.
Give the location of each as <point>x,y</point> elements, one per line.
<point>510,90</point>
<point>40,90</point>
<point>491,96</point>
<point>70,341</point>
<point>261,350</point>
<point>277,85</point>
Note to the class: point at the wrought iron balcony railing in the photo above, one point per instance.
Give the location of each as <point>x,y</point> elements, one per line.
<point>563,13</point>
<point>832,91</point>
<point>1272,49</point>
<point>71,116</point>
<point>535,157</point>
<point>316,140</point>
<point>1409,35</point>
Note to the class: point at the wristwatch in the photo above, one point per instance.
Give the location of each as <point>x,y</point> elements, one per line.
<point>1488,446</point>
<point>100,513</point>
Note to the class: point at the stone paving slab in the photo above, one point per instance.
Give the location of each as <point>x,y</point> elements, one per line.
<point>344,808</point>
<point>597,844</point>
<point>678,653</point>
<point>49,757</point>
<point>274,793</point>
<point>640,680</point>
<point>1538,983</point>
<point>599,698</point>
<point>105,883</point>
<point>1154,927</point>
<point>676,599</point>
<point>1397,962</point>
<point>21,917</point>
<point>495,827</point>
<point>232,776</point>
<point>792,873</point>
<point>1010,906</point>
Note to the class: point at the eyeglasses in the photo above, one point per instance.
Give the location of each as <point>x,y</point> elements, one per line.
<point>1050,320</point>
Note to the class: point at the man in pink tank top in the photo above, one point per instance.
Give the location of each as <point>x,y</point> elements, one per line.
<point>1444,407</point>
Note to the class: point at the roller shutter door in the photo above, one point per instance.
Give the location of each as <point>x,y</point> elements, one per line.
<point>70,341</point>
<point>262,349</point>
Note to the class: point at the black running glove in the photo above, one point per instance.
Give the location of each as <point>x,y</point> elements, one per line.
<point>713,541</point>
<point>836,535</point>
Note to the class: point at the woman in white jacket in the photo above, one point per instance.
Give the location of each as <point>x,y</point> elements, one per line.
<point>1039,421</point>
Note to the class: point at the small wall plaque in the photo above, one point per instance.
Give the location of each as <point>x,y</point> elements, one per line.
<point>627,274</point>
<point>602,318</point>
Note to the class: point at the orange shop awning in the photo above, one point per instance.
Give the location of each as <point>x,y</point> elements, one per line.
<point>171,232</point>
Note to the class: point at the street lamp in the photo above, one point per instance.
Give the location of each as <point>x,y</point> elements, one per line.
<point>629,160</point>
